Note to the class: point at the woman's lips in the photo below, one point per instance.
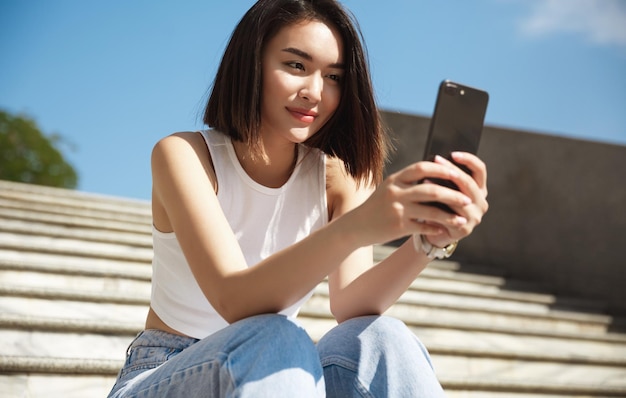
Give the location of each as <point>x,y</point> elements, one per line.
<point>303,115</point>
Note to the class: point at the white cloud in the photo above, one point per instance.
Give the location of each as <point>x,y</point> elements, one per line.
<point>598,21</point>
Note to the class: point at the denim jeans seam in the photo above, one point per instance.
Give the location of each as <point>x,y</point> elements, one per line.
<point>144,367</point>
<point>341,361</point>
<point>226,364</point>
<point>361,389</point>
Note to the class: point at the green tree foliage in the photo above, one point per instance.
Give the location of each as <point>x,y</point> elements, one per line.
<point>27,155</point>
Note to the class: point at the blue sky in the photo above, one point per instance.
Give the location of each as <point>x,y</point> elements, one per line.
<point>112,77</point>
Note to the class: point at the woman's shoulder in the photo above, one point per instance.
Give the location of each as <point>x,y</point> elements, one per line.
<point>338,177</point>
<point>180,145</point>
<point>186,148</point>
<point>180,140</point>
<point>335,171</point>
<point>342,190</point>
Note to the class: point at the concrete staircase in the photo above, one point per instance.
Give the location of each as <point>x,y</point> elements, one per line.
<point>75,285</point>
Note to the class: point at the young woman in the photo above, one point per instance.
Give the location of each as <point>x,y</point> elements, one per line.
<point>283,191</point>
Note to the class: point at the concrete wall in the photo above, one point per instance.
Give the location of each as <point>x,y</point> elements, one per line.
<point>557,208</point>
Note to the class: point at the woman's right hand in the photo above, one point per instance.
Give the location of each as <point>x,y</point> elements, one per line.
<point>394,208</point>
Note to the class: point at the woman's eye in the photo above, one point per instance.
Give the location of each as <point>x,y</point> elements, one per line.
<point>335,78</point>
<point>296,65</point>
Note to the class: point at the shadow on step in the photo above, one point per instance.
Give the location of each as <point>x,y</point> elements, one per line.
<point>555,300</point>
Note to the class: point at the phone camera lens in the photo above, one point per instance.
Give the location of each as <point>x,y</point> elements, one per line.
<point>450,89</point>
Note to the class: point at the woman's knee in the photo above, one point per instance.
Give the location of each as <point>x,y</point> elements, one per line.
<point>279,328</point>
<point>378,335</point>
<point>274,344</point>
<point>378,354</point>
<point>369,327</point>
<point>279,337</point>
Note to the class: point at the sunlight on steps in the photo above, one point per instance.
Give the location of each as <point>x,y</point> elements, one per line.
<point>75,287</point>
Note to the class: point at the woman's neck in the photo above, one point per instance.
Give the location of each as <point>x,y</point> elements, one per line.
<point>273,169</point>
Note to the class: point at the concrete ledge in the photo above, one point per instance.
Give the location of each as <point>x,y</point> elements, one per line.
<point>556,208</point>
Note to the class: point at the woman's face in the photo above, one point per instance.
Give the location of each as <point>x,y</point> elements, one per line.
<point>302,73</point>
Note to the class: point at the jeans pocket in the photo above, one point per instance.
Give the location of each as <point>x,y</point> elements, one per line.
<point>146,357</point>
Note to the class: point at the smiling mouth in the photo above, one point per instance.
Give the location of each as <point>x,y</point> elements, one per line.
<point>303,115</point>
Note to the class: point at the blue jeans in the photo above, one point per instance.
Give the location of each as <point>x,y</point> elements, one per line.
<point>271,356</point>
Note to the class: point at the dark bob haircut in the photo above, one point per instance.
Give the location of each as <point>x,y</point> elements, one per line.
<point>354,134</point>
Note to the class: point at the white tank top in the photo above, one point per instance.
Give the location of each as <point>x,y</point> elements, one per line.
<point>264,220</point>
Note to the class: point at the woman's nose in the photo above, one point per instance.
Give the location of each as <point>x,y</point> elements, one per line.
<point>312,89</point>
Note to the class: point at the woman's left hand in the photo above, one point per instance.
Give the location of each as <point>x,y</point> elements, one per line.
<point>474,187</point>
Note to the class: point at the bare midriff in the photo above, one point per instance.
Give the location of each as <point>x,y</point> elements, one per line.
<point>154,322</point>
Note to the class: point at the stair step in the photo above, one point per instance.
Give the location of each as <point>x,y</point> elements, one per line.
<point>407,308</point>
<point>457,338</point>
<point>66,345</point>
<point>412,305</point>
<point>509,365</point>
<point>461,324</point>
<point>44,281</point>
<point>32,228</point>
<point>24,364</point>
<point>71,220</point>
<point>454,305</point>
<point>70,308</point>
<point>75,285</point>
<point>567,347</point>
<point>428,291</point>
<point>457,388</point>
<point>56,353</point>
<point>520,370</point>
<point>439,338</point>
<point>74,266</point>
<point>54,197</point>
<point>557,383</point>
<point>84,318</point>
<point>64,385</point>
<point>55,385</point>
<point>72,247</point>
<point>38,206</point>
<point>106,326</point>
<point>424,293</point>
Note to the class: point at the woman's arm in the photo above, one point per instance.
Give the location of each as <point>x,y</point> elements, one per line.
<point>357,287</point>
<point>184,190</point>
<point>185,199</point>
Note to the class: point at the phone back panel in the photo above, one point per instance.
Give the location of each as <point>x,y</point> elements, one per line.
<point>457,121</point>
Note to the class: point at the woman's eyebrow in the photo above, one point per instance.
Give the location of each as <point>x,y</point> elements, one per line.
<point>308,56</point>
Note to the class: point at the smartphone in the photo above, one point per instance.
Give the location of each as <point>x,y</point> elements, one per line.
<point>456,125</point>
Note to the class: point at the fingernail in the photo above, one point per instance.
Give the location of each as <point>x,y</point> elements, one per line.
<point>466,200</point>
<point>458,155</point>
<point>460,220</point>
<point>440,159</point>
